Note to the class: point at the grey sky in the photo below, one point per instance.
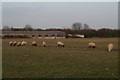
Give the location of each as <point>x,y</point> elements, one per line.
<point>0,15</point>
<point>60,14</point>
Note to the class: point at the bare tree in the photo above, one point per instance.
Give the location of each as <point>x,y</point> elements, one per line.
<point>6,28</point>
<point>77,26</point>
<point>86,27</point>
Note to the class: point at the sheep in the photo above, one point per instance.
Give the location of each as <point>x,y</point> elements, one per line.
<point>10,43</point>
<point>60,44</point>
<point>14,43</point>
<point>110,47</point>
<point>19,43</point>
<point>91,45</point>
<point>23,43</point>
<point>34,43</point>
<point>44,44</point>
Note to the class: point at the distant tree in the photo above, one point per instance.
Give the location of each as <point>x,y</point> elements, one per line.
<point>118,33</point>
<point>86,26</point>
<point>6,28</point>
<point>28,28</point>
<point>105,32</point>
<point>12,29</point>
<point>39,29</point>
<point>77,26</point>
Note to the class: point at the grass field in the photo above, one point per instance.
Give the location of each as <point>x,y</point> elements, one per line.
<point>75,60</point>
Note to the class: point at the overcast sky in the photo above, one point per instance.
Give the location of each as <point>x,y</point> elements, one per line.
<point>60,14</point>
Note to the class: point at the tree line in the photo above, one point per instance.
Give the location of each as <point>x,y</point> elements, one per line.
<point>76,28</point>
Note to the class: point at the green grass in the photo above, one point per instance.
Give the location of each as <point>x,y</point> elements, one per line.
<point>75,60</point>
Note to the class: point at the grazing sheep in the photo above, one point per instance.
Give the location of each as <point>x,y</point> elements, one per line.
<point>34,43</point>
<point>23,43</point>
<point>10,43</point>
<point>44,44</point>
<point>14,43</point>
<point>60,44</point>
<point>19,43</point>
<point>110,47</point>
<point>91,45</point>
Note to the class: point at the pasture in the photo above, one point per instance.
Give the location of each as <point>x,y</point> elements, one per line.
<point>74,60</point>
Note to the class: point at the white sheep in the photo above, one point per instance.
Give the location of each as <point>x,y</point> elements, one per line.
<point>10,43</point>
<point>44,44</point>
<point>19,43</point>
<point>34,43</point>
<point>60,44</point>
<point>110,47</point>
<point>91,45</point>
<point>23,43</point>
<point>14,43</point>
